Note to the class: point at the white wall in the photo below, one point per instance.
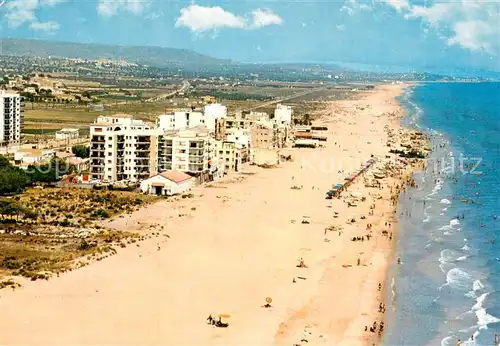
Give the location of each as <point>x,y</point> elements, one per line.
<point>239,136</point>
<point>215,110</point>
<point>184,120</point>
<point>283,113</point>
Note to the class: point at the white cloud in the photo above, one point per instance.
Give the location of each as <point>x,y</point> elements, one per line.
<point>109,8</point>
<point>471,24</point>
<point>49,26</point>
<point>354,6</point>
<point>399,5</point>
<point>263,18</point>
<point>20,12</point>
<point>201,18</point>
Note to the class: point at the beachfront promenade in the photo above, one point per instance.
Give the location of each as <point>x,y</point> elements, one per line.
<point>238,244</point>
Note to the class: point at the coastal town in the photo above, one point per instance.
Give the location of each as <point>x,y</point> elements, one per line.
<point>225,173</point>
<point>134,192</point>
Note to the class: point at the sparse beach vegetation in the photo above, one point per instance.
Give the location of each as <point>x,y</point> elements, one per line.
<point>44,231</point>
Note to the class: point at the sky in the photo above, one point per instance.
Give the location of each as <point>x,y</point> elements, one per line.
<point>420,33</point>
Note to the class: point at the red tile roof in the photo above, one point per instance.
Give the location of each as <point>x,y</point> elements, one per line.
<point>175,176</point>
<point>303,134</point>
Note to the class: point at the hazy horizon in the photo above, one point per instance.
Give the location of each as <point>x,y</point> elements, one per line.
<point>407,33</point>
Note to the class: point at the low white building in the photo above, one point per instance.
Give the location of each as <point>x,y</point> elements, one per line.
<point>68,133</point>
<point>28,157</point>
<point>168,183</point>
<point>283,114</point>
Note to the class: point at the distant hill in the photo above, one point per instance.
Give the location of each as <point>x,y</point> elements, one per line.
<point>152,56</point>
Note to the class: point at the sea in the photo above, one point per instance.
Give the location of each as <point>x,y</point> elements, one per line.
<point>447,287</point>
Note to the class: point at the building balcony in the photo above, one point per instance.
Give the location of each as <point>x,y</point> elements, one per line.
<point>195,168</point>
<point>142,164</point>
<point>196,161</point>
<point>196,152</point>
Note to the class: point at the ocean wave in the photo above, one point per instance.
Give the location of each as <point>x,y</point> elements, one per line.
<point>449,226</point>
<point>445,201</point>
<point>435,189</point>
<point>459,279</point>
<point>465,248</point>
<point>451,256</point>
<point>483,318</point>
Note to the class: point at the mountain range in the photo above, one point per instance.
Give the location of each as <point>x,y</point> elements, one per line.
<point>151,56</point>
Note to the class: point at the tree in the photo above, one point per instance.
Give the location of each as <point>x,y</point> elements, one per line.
<point>81,151</point>
<point>12,179</point>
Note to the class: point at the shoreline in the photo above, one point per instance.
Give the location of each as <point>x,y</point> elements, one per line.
<point>163,290</point>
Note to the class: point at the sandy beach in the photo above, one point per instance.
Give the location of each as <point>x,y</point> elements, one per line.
<point>236,243</point>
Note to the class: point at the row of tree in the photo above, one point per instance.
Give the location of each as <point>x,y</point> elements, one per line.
<point>14,180</point>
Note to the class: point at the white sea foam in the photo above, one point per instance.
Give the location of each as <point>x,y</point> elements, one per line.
<point>445,201</point>
<point>483,318</point>
<point>477,285</point>
<point>454,222</point>
<point>448,341</point>
<point>435,190</point>
<point>465,248</point>
<point>459,278</point>
<point>445,228</point>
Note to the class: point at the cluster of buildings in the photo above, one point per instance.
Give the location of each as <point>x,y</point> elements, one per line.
<point>202,144</point>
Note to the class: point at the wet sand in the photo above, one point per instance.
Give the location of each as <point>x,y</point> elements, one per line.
<point>237,244</point>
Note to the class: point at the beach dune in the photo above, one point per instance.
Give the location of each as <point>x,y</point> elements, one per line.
<point>241,244</point>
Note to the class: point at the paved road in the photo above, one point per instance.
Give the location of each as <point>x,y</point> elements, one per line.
<point>265,104</point>
<point>185,86</point>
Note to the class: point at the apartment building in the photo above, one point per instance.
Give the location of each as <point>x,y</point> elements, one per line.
<point>231,154</point>
<point>122,148</point>
<point>190,151</point>
<point>244,120</point>
<point>185,119</point>
<point>11,112</point>
<point>269,134</point>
